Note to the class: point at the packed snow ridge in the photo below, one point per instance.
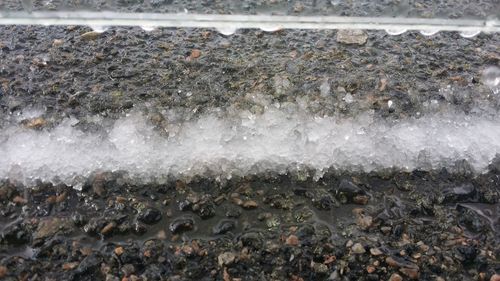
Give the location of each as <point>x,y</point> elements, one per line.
<point>276,140</point>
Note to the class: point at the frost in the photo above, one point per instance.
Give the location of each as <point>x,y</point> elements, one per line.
<point>223,145</point>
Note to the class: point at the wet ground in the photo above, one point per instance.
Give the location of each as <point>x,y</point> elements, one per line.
<point>427,225</point>
<point>420,225</point>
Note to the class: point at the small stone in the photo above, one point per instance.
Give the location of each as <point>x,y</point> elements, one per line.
<point>195,53</point>
<point>223,227</point>
<point>396,277</point>
<point>320,268</point>
<point>422,246</point>
<point>91,35</point>
<point>250,204</point>
<point>348,36</point>
<point>128,269</point>
<point>149,216</point>
<point>50,227</point>
<point>34,123</point>
<point>119,251</point>
<point>61,197</point>
<point>237,201</point>
<point>219,199</point>
<point>226,276</point>
<point>495,277</point>
<point>70,265</point>
<point>51,199</point>
<point>383,84</point>
<point>385,230</point>
<point>19,200</point>
<point>391,262</point>
<point>292,240</point>
<point>375,252</point>
<point>412,273</point>
<point>188,250</point>
<point>282,84</point>
<point>370,269</point>
<point>3,271</point>
<point>108,228</point>
<point>161,235</point>
<point>57,42</point>
<point>181,224</point>
<point>364,222</point>
<point>360,199</point>
<point>226,258</point>
<point>358,248</point>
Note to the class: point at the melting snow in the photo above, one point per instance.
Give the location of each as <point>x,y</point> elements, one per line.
<point>278,140</point>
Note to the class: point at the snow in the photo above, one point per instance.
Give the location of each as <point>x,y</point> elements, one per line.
<point>223,145</point>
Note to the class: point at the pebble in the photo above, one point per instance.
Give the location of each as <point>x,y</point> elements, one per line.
<point>250,204</point>
<point>128,269</point>
<point>91,35</point>
<point>195,53</point>
<point>19,200</point>
<point>61,197</point>
<point>495,277</point>
<point>364,222</point>
<point>226,258</point>
<point>412,273</point>
<point>360,199</point>
<point>3,271</point>
<point>35,123</point>
<point>182,224</point>
<point>386,229</point>
<point>348,36</point>
<point>237,201</point>
<point>223,227</point>
<point>375,252</point>
<point>70,265</point>
<point>57,42</point>
<point>49,227</point>
<point>358,248</point>
<point>149,216</point>
<point>292,240</point>
<point>119,251</point>
<point>320,268</point>
<point>108,228</point>
<point>396,277</point>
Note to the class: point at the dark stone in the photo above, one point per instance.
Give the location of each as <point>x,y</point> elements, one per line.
<point>89,265</point>
<point>94,226</point>
<point>306,231</point>
<point>251,239</point>
<point>324,202</point>
<point>185,205</point>
<point>223,227</point>
<point>232,212</point>
<point>149,216</point>
<point>15,234</point>
<point>139,228</point>
<point>463,193</point>
<point>467,254</point>
<point>347,190</point>
<point>181,224</point>
<point>78,219</point>
<point>206,210</point>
